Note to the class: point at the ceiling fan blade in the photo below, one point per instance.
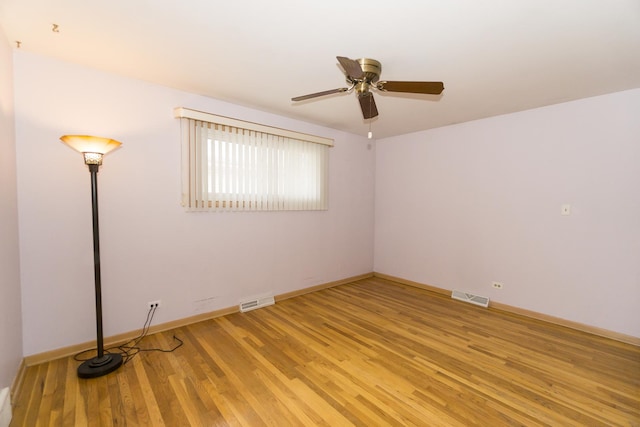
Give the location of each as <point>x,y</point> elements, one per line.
<point>352,68</point>
<point>431,88</point>
<point>368,105</point>
<point>323,93</point>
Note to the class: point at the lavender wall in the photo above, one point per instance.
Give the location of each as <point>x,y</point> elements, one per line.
<point>10,312</point>
<point>151,249</point>
<point>461,206</point>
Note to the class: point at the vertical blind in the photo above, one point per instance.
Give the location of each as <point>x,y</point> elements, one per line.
<point>230,165</point>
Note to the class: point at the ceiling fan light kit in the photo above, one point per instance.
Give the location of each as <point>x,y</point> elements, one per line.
<point>363,75</point>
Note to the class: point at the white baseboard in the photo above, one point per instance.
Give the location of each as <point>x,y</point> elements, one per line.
<point>5,407</point>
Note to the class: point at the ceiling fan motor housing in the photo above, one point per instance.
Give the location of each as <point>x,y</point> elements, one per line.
<point>370,74</point>
<point>371,69</point>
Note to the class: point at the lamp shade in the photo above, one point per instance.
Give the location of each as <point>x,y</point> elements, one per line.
<point>90,144</point>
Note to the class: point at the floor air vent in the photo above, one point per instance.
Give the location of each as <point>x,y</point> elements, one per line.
<point>470,298</point>
<point>256,303</point>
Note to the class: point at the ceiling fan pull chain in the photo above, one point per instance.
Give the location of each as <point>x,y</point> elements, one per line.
<point>370,134</point>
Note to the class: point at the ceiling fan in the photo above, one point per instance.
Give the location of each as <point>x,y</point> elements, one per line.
<point>363,75</point>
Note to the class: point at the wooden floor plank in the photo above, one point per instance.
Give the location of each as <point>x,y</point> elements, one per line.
<point>372,352</point>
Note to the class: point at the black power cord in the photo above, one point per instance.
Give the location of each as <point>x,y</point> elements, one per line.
<point>129,349</point>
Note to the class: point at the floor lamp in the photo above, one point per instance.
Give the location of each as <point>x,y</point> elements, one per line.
<point>93,149</point>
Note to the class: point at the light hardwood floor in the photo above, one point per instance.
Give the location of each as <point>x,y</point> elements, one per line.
<point>370,353</point>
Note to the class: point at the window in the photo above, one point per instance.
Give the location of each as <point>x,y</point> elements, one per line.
<point>231,165</point>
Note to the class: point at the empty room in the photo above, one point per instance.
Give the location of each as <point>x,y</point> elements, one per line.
<point>293,213</point>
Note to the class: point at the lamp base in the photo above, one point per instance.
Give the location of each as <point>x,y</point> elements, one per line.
<point>99,366</point>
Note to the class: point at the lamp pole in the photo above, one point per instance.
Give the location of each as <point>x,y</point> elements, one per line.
<point>93,169</point>
<point>103,363</point>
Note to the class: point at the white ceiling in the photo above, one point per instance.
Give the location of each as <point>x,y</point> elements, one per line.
<point>494,56</point>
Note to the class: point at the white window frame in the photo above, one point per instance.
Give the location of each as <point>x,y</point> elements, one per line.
<point>234,165</point>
